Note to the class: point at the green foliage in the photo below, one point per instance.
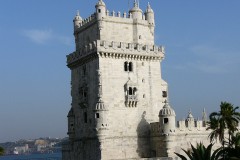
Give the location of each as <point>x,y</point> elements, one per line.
<point>226,119</point>
<point>1,151</point>
<point>200,153</point>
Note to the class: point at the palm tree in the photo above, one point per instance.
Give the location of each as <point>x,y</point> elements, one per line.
<point>226,119</point>
<point>201,153</point>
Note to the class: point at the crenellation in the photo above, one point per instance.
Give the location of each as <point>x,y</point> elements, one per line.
<point>113,13</point>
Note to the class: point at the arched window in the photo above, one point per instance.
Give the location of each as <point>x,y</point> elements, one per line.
<point>130,91</point>
<point>130,67</point>
<point>125,66</point>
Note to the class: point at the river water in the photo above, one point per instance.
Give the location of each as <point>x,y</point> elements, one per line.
<point>52,156</point>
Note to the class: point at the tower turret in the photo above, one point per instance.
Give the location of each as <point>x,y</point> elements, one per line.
<point>101,111</point>
<point>71,124</point>
<point>190,121</point>
<point>100,9</point>
<point>204,118</point>
<point>77,21</point>
<point>149,15</point>
<point>167,120</point>
<point>136,12</point>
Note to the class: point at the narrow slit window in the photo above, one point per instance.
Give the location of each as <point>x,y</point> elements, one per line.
<point>85,117</point>
<point>97,115</point>
<point>125,66</point>
<point>130,91</point>
<point>130,66</point>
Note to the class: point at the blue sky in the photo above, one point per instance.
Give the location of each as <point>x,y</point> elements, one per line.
<point>201,65</point>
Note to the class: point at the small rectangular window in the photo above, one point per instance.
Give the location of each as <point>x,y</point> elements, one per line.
<point>165,120</point>
<point>99,10</point>
<point>97,115</point>
<point>164,94</point>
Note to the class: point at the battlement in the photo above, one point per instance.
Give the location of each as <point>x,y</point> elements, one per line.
<point>117,16</point>
<point>119,49</point>
<point>87,20</point>
<point>182,127</point>
<point>196,125</point>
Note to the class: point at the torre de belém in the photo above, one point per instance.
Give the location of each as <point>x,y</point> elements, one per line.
<point>119,108</point>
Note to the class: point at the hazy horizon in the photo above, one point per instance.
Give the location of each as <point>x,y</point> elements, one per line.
<point>201,66</point>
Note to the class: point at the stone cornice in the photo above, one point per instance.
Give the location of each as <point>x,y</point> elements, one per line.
<point>116,50</point>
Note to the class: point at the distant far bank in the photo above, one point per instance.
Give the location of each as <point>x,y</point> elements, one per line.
<point>41,146</point>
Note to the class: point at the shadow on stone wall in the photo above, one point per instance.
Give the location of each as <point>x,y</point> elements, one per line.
<point>143,132</point>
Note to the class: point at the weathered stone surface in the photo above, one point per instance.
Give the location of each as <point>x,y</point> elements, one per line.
<point>119,107</point>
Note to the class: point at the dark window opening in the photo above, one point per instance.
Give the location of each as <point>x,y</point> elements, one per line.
<point>165,120</point>
<point>84,70</point>
<point>130,91</point>
<point>130,67</point>
<point>99,10</point>
<point>164,94</point>
<point>134,91</point>
<point>85,94</point>
<point>97,115</point>
<point>85,117</point>
<point>125,66</point>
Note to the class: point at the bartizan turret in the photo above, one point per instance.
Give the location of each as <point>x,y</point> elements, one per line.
<point>101,111</point>
<point>100,10</point>
<point>77,21</point>
<point>71,125</point>
<point>167,130</point>
<point>167,120</point>
<point>149,15</point>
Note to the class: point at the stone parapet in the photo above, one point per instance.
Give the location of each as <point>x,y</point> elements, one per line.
<point>118,50</point>
<point>113,16</point>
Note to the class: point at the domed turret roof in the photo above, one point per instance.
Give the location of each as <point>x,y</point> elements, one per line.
<point>190,116</point>
<point>77,17</point>
<point>135,8</point>
<point>100,3</point>
<point>149,9</point>
<point>167,110</point>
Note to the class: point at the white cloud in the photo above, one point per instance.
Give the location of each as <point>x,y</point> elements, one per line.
<point>45,36</point>
<point>209,59</point>
<point>38,36</point>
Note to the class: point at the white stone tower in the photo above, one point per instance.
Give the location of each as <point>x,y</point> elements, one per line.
<point>116,85</point>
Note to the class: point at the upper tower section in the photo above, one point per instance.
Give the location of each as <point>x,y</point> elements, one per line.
<point>133,27</point>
